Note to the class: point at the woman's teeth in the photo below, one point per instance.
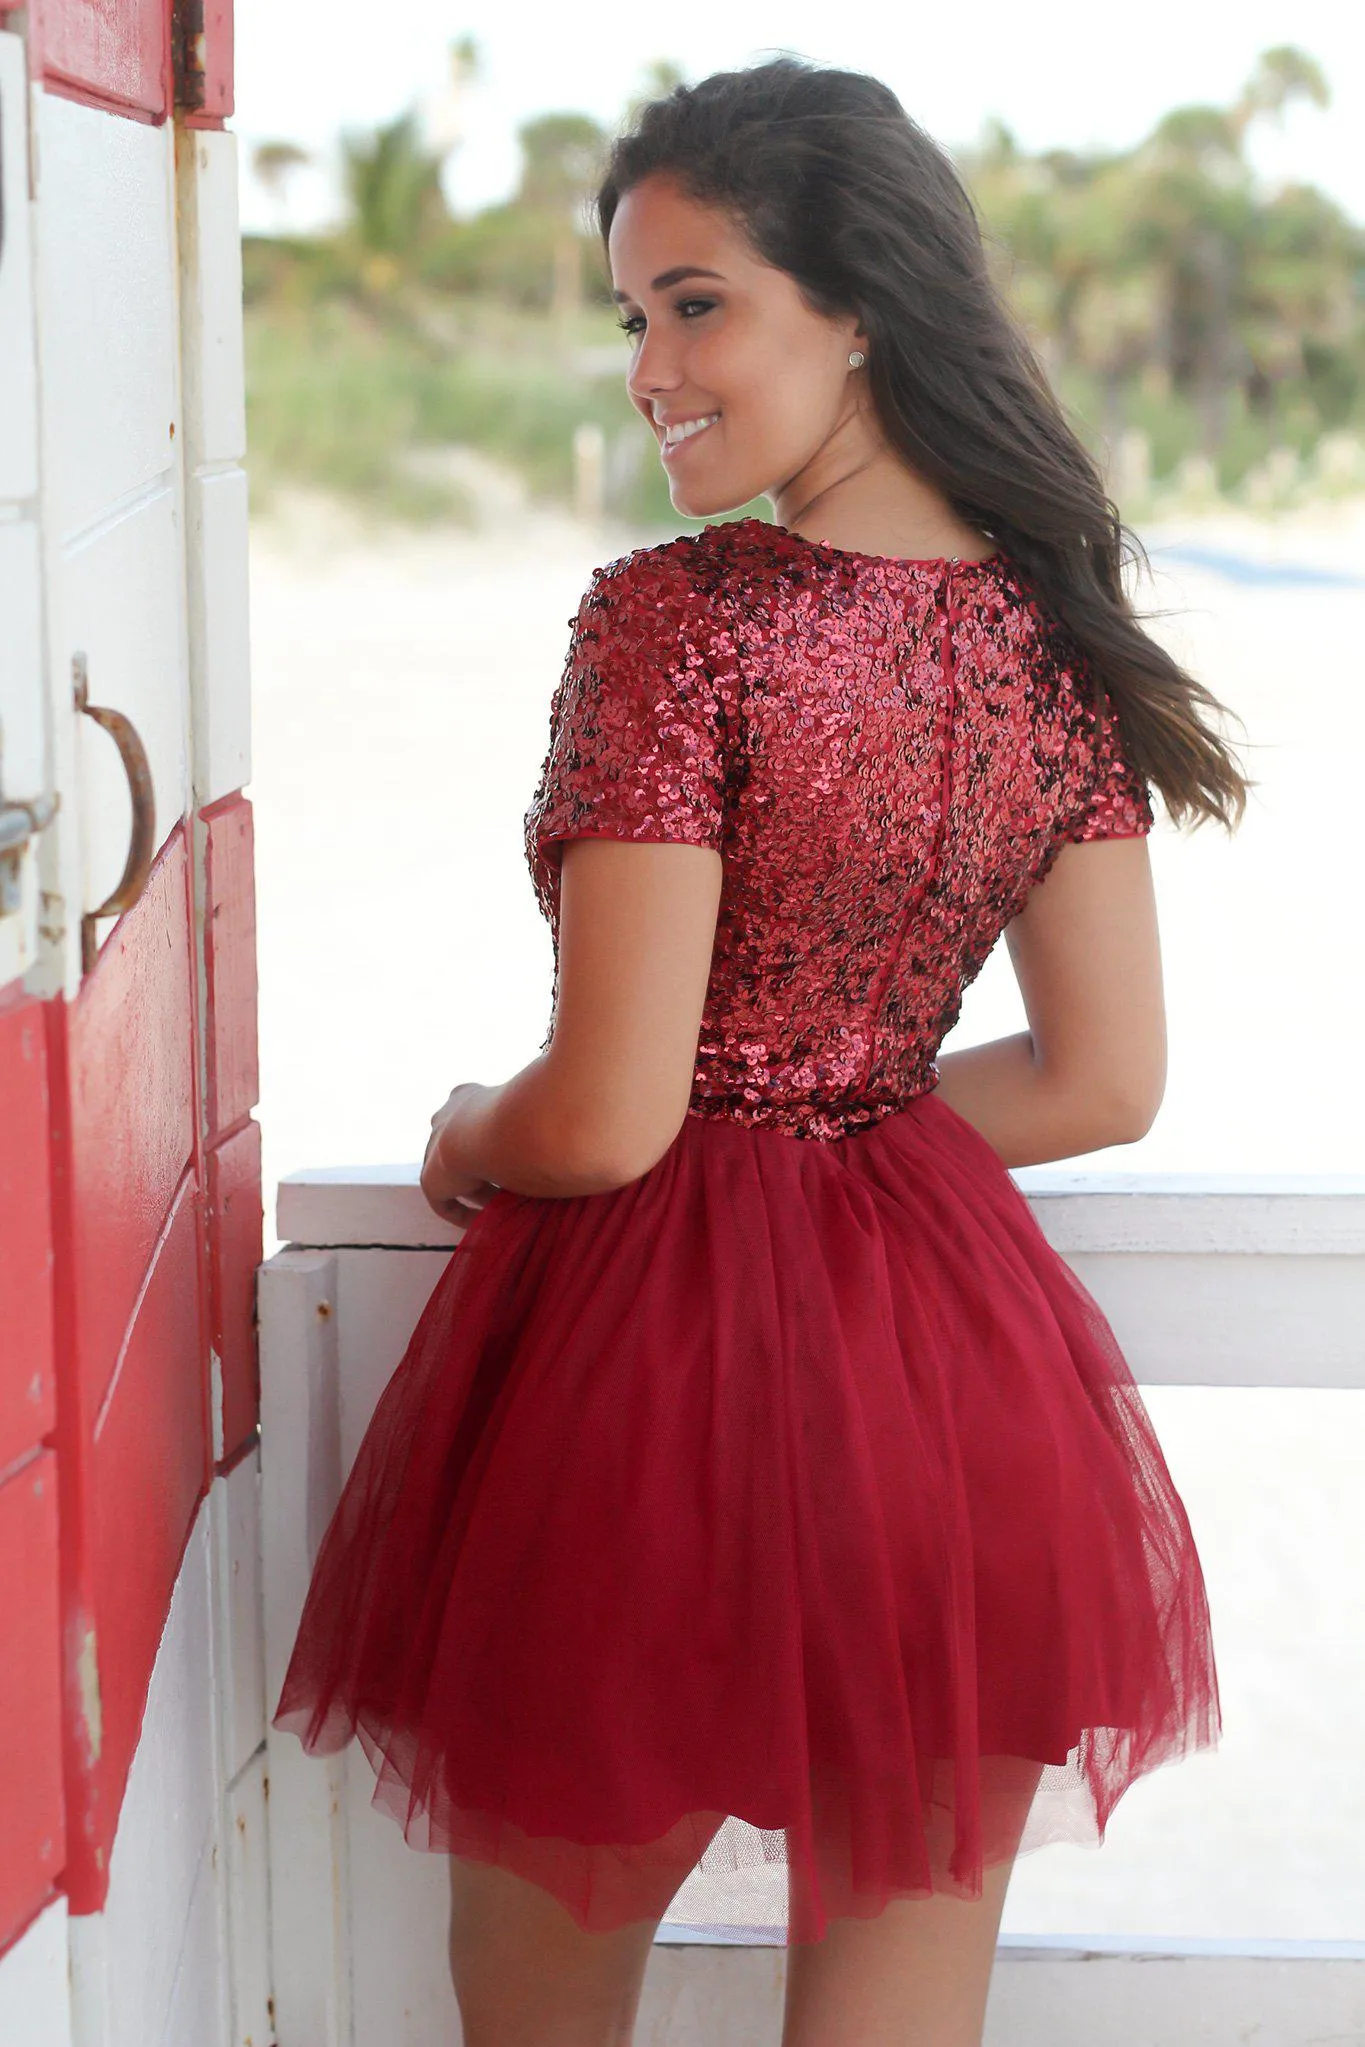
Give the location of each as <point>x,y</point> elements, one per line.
<point>685,429</point>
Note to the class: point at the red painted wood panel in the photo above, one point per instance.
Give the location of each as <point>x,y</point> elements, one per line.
<point>132,1109</point>
<point>32,1812</point>
<point>145,1478</point>
<point>133,1437</point>
<point>27,1380</point>
<point>115,53</point>
<point>235,1245</point>
<point>230,963</point>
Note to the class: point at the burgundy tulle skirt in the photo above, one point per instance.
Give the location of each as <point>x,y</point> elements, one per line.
<point>791,1505</point>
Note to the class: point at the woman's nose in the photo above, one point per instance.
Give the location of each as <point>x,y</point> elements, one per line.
<point>651,372</point>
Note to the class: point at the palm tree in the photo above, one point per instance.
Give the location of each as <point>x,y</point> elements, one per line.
<point>562,157</point>
<point>274,164</point>
<point>393,187</point>
<point>1281,76</point>
<point>1166,263</point>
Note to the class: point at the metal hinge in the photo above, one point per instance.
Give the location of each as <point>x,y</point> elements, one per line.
<point>20,822</point>
<point>190,54</point>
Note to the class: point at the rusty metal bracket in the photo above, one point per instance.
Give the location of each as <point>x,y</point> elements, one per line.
<point>189,51</point>
<point>142,840</point>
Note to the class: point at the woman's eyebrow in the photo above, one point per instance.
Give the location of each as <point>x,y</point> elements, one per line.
<point>675,276</point>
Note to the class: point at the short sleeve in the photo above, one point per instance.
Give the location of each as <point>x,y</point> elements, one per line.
<point>637,724</point>
<point>1110,798</point>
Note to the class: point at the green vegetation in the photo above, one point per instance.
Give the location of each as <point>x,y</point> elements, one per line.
<point>1207,336</point>
<point>347,400</point>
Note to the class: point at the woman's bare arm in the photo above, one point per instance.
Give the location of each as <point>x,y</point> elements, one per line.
<point>607,1097</point>
<point>1091,1068</point>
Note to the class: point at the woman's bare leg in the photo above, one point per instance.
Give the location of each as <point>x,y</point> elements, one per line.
<point>915,1976</point>
<point>527,1975</point>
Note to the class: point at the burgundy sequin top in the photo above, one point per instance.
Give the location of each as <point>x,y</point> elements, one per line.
<point>887,754</point>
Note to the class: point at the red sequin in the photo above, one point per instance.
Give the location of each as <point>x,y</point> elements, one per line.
<point>887,754</point>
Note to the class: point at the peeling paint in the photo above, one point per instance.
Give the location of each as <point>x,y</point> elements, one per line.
<point>88,1681</point>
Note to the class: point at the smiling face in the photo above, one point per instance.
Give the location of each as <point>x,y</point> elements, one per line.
<point>719,335</point>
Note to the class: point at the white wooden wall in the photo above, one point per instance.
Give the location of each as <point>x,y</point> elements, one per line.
<point>24,768</point>
<point>123,534</point>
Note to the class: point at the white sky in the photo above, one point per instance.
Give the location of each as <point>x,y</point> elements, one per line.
<point>1058,72</point>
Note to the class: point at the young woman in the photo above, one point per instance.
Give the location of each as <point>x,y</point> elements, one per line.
<point>758,1484</point>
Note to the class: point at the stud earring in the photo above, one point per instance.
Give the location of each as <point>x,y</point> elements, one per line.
<point>856,359</point>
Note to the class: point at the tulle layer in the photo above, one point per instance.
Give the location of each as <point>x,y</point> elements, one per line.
<point>791,1509</point>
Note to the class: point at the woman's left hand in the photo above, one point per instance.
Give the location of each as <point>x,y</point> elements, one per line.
<point>456,1196</point>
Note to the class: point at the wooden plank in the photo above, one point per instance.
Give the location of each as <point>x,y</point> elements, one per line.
<point>210,248</point>
<point>23,720</point>
<point>132,1088</point>
<point>235,1244</point>
<point>107,313</point>
<point>230,963</point>
<point>144,1479</point>
<point>239,1654</point>
<point>1282,1214</point>
<point>133,1412</point>
<point>342,1205</point>
<point>115,598</point>
<point>248,1871</point>
<point>300,1482</point>
<point>693,1995</point>
<point>116,54</point>
<point>18,361</point>
<point>33,1836</point>
<point>27,1360</point>
<point>151,1963</point>
<point>220,663</point>
<point>35,1993</point>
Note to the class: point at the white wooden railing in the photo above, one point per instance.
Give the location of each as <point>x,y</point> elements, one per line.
<point>1217,1282</point>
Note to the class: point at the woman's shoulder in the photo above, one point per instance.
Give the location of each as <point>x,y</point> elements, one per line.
<point>729,577</point>
<point>699,572</point>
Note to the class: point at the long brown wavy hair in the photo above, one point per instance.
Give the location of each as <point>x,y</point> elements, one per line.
<point>833,182</point>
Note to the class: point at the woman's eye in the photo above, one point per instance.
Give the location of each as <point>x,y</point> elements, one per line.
<point>634,321</point>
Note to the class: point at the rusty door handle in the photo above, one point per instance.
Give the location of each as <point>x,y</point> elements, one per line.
<point>142,841</point>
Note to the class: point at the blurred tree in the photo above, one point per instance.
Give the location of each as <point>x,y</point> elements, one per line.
<point>1281,76</point>
<point>1164,268</point>
<point>274,165</point>
<point>392,183</point>
<point>275,162</point>
<point>660,77</point>
<point>446,110</point>
<point>562,158</point>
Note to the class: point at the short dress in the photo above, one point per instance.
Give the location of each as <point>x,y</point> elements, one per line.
<point>792,1504</point>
